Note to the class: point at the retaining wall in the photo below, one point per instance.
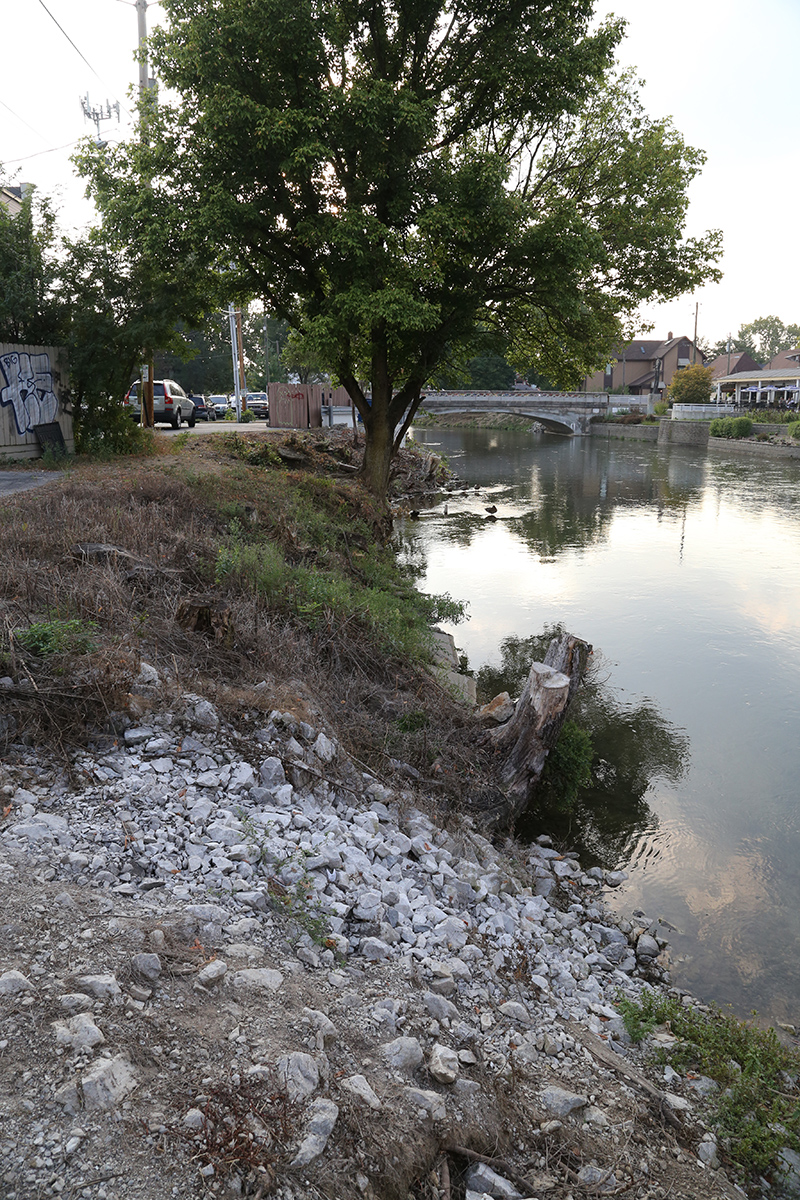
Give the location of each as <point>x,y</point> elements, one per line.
<point>633,433</point>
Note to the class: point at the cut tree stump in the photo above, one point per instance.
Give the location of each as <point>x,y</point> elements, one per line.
<point>526,740</point>
<point>208,615</point>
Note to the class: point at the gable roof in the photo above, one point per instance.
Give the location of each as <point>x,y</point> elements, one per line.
<point>786,358</point>
<point>740,361</point>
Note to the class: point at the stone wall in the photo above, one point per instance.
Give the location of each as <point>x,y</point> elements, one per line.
<point>634,433</point>
<point>682,433</point>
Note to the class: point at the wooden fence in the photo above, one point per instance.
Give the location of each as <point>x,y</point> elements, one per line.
<point>34,391</point>
<point>299,405</point>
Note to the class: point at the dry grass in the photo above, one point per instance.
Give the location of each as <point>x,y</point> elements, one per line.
<point>167,516</point>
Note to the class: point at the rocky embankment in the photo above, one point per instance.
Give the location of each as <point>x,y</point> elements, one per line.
<point>231,963</point>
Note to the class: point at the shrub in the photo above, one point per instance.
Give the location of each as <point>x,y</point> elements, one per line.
<point>731,427</point>
<point>661,408</point>
<point>793,429</point>
<point>757,1111</point>
<point>57,637</point>
<point>248,415</point>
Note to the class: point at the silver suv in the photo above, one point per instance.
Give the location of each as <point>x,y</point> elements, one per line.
<point>170,403</point>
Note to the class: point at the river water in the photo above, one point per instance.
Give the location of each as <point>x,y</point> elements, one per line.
<point>682,568</point>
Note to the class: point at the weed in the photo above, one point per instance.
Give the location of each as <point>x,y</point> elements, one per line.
<point>757,1111</point>
<point>58,637</point>
<point>180,440</point>
<point>412,722</point>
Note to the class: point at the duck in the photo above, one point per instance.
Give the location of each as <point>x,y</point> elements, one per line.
<point>491,508</point>
<point>414,514</point>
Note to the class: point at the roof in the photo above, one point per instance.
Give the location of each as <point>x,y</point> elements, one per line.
<point>732,364</point>
<point>786,358</point>
<point>788,374</point>
<point>646,350</point>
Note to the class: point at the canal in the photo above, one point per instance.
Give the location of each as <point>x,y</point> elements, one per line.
<point>682,569</point>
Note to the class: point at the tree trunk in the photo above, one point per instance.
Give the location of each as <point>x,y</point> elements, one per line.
<point>532,732</point>
<point>378,449</point>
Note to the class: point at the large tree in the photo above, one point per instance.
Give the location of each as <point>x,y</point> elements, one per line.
<point>396,177</point>
<point>29,312</point>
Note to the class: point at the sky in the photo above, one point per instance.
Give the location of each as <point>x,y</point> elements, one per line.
<point>722,71</point>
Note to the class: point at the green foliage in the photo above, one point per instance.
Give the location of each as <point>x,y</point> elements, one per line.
<point>394,617</point>
<point>58,636</point>
<point>413,722</point>
<point>691,385</point>
<point>230,415</point>
<point>568,767</point>
<point>757,1111</point>
<point>394,190</point>
<point>248,416</point>
<point>661,408</point>
<point>762,339</point>
<point>731,427</point>
<point>29,311</point>
<point>793,429</point>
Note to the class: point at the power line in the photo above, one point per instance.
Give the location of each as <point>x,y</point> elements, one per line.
<point>22,119</point>
<point>75,48</point>
<point>7,162</point>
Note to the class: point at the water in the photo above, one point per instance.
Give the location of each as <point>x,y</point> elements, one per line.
<point>682,568</point>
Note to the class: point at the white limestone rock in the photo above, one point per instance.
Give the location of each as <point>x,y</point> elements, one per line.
<point>443,1064</point>
<point>322,1116</point>
<point>357,1086</point>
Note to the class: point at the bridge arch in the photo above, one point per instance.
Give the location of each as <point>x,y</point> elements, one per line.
<point>561,412</point>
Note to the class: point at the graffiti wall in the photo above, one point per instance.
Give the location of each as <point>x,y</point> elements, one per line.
<point>34,391</point>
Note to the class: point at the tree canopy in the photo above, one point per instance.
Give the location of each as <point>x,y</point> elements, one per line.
<point>691,385</point>
<point>762,339</point>
<point>397,177</point>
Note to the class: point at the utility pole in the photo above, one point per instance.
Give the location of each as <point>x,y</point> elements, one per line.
<point>694,343</point>
<point>240,340</point>
<point>235,360</point>
<point>145,84</point>
<point>730,347</point>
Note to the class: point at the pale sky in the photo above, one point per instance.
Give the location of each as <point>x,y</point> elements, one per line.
<point>723,72</point>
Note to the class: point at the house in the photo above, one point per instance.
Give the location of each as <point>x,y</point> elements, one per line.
<point>732,364</point>
<point>11,197</point>
<point>786,358</point>
<point>644,366</point>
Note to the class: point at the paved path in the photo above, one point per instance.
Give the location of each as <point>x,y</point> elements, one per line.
<point>23,481</point>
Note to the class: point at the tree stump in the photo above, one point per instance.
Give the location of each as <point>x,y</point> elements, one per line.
<point>527,739</point>
<point>206,614</point>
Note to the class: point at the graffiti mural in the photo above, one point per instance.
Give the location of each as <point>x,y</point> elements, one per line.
<point>28,389</point>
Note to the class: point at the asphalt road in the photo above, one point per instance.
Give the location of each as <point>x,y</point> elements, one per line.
<point>23,481</point>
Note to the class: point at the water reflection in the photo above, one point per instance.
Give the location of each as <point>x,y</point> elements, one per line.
<point>684,568</point>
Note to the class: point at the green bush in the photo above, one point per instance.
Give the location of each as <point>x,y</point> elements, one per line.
<point>230,415</point>
<point>757,1110</point>
<point>248,415</point>
<point>661,408</point>
<point>57,637</point>
<point>793,429</point>
<point>731,427</point>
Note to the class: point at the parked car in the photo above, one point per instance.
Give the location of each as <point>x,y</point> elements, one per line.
<point>203,410</point>
<point>258,403</point>
<point>220,404</point>
<point>170,403</point>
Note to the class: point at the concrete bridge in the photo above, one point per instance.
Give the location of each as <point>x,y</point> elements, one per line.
<point>561,412</point>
